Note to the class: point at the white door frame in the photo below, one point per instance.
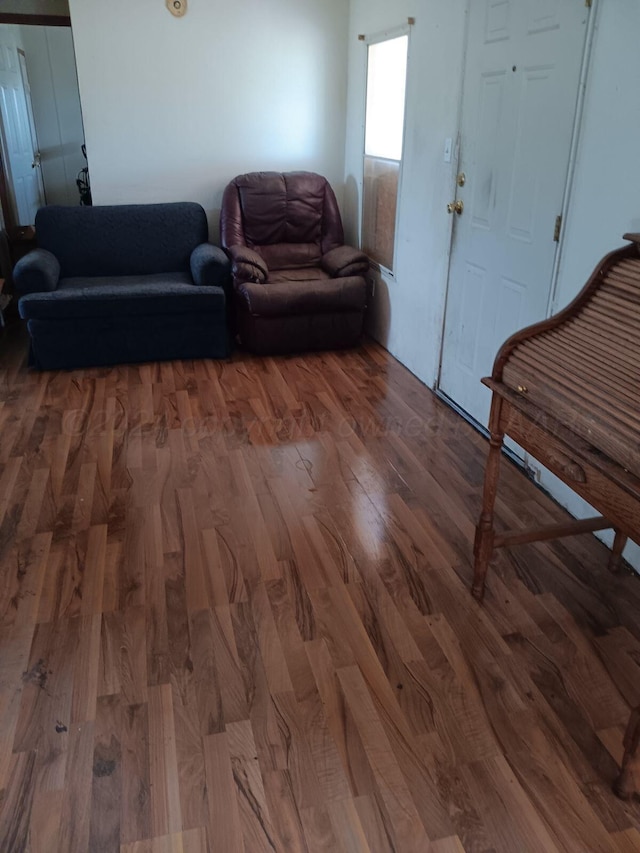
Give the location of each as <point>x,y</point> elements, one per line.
<point>592,13</point>
<point>7,203</point>
<point>24,73</point>
<point>573,152</point>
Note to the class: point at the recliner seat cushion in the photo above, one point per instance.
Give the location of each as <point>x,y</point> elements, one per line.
<point>297,274</point>
<point>284,256</point>
<point>167,293</point>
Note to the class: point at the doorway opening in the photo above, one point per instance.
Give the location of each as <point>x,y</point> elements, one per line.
<point>41,129</point>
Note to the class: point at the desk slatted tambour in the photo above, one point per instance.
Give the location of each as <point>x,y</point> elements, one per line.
<point>567,390</point>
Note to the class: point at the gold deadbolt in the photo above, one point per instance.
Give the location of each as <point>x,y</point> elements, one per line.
<point>456,207</point>
<point>461,180</point>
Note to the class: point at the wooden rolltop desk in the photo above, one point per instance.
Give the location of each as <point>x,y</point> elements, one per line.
<point>567,390</point>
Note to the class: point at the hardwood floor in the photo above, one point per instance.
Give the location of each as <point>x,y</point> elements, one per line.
<point>235,616</point>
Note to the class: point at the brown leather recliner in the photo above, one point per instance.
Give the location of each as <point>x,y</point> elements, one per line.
<point>296,286</point>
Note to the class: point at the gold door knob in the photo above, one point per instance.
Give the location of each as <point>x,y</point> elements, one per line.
<point>456,207</point>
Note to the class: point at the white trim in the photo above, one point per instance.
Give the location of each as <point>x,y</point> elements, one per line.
<point>387,35</point>
<point>454,187</point>
<point>531,462</point>
<point>592,12</point>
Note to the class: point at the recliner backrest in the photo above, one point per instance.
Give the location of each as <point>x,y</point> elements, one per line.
<point>120,240</point>
<point>290,218</point>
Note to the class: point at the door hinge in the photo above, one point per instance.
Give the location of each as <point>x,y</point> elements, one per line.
<point>556,230</point>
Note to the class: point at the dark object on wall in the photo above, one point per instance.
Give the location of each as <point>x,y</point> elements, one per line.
<point>123,283</point>
<point>566,390</point>
<point>6,265</point>
<point>82,182</point>
<point>296,286</point>
<point>6,276</point>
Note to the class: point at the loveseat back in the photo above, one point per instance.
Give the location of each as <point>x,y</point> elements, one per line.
<point>122,240</point>
<point>290,218</point>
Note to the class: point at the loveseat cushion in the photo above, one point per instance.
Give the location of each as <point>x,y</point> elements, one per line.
<point>168,293</point>
<point>122,240</point>
<point>309,297</point>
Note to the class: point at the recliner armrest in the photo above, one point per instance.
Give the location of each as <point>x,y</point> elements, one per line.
<point>344,261</point>
<point>37,271</point>
<point>248,265</point>
<point>209,266</point>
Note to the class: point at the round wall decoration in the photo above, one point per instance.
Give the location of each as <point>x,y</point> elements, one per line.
<point>177,7</point>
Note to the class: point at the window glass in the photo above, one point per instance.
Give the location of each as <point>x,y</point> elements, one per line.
<point>384,132</point>
<point>386,84</point>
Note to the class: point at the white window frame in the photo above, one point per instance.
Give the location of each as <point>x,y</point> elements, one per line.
<point>377,38</point>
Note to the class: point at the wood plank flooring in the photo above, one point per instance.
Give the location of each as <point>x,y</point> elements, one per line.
<point>235,616</point>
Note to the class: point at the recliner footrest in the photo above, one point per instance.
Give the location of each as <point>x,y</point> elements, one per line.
<point>322,296</point>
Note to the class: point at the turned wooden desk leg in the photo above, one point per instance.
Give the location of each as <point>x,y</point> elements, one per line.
<point>616,552</point>
<point>628,782</point>
<point>485,533</point>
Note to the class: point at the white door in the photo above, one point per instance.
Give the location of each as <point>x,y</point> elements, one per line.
<point>20,148</point>
<point>519,104</point>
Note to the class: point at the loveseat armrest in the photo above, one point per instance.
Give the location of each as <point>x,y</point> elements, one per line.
<point>248,265</point>
<point>210,266</point>
<point>37,271</point>
<point>344,261</point>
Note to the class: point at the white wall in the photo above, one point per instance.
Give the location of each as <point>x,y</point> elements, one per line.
<point>56,109</point>
<point>408,309</point>
<point>606,197</point>
<point>174,108</point>
<point>605,202</point>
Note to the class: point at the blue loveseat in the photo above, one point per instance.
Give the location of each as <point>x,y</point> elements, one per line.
<point>124,283</point>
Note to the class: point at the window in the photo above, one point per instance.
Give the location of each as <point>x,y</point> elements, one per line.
<point>384,133</point>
